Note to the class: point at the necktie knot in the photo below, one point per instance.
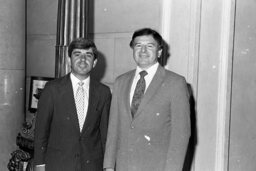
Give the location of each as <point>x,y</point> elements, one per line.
<point>81,83</point>
<point>143,74</point>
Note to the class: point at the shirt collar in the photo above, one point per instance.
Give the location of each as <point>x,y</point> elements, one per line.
<point>151,70</point>
<point>75,80</point>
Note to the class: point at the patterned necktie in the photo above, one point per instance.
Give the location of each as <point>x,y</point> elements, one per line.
<point>138,93</point>
<point>80,104</point>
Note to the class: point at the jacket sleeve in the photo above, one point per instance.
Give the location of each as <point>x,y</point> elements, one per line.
<point>105,118</point>
<point>180,127</point>
<point>110,151</point>
<point>42,126</point>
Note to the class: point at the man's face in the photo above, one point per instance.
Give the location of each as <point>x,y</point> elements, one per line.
<point>146,51</point>
<point>82,62</point>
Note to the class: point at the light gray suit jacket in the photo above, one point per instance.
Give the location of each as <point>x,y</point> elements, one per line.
<point>156,138</point>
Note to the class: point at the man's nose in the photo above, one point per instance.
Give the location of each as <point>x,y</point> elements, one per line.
<point>143,48</point>
<point>83,56</point>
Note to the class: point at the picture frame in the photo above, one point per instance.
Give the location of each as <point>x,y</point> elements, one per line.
<point>36,87</point>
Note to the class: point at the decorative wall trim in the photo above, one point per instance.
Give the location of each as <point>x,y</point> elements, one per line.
<point>166,20</point>
<point>42,36</point>
<point>224,86</point>
<point>194,44</point>
<point>194,35</point>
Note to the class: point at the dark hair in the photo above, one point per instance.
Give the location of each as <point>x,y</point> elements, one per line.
<point>82,43</point>
<point>146,32</point>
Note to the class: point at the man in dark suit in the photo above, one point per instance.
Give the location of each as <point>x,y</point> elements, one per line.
<point>72,117</point>
<point>149,124</point>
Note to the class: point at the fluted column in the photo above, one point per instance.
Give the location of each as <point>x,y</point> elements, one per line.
<point>12,75</point>
<point>71,23</point>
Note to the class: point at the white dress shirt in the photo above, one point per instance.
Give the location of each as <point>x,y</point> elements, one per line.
<point>148,78</point>
<point>86,84</point>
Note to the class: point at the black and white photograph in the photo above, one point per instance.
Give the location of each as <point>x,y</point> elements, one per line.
<point>128,85</point>
<point>36,87</point>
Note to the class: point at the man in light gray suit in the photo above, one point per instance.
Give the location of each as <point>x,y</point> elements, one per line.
<point>149,125</point>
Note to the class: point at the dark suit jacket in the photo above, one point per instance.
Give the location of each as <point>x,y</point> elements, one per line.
<point>58,141</point>
<point>156,138</point>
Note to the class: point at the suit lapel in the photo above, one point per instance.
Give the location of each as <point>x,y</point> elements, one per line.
<point>126,94</point>
<point>69,102</point>
<point>152,88</point>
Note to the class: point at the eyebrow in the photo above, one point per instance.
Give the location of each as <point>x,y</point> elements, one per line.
<point>138,43</point>
<point>90,53</point>
<point>76,51</point>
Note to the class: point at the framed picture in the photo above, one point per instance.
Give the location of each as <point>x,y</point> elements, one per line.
<point>36,87</point>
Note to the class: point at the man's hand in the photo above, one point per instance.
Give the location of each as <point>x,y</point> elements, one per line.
<point>109,169</point>
<point>40,168</point>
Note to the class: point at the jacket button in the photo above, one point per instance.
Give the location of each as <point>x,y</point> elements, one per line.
<point>87,161</point>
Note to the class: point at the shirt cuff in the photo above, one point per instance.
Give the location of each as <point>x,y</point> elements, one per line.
<point>40,165</point>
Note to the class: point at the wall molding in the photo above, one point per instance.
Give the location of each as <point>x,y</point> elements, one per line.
<point>224,86</point>
<point>166,20</point>
<point>225,67</point>
<point>194,44</point>
<point>41,36</point>
<point>193,39</point>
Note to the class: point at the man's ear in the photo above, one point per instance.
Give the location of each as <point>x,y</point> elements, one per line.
<point>95,62</point>
<point>68,61</point>
<point>159,53</point>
